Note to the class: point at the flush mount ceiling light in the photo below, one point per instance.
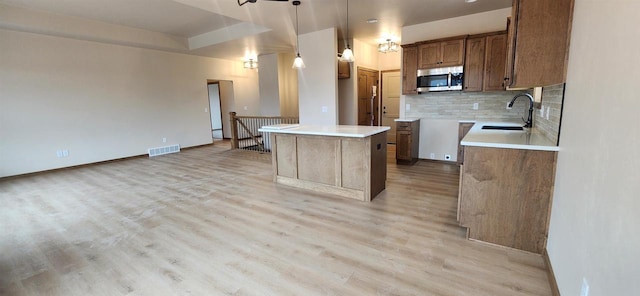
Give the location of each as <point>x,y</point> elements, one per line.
<point>251,64</point>
<point>297,63</point>
<point>372,21</point>
<point>387,46</point>
<point>347,54</point>
<point>470,1</point>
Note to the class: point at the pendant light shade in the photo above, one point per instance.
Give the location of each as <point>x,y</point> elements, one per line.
<point>347,54</point>
<point>297,63</point>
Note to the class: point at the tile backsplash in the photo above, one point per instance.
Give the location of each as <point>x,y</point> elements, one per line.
<point>459,106</point>
<point>491,107</point>
<point>552,104</point>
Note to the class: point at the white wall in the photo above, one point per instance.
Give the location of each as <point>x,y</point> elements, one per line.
<point>288,83</point>
<point>347,97</point>
<point>390,60</point>
<point>318,82</point>
<point>101,101</point>
<point>490,21</point>
<point>269,85</point>
<point>594,219</point>
<point>227,104</point>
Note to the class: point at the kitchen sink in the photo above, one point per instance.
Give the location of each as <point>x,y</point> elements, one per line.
<point>502,127</point>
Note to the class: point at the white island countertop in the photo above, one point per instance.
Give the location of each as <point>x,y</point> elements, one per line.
<point>352,131</point>
<point>408,119</point>
<point>529,139</point>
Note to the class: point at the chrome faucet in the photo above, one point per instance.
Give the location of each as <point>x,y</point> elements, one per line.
<point>529,121</point>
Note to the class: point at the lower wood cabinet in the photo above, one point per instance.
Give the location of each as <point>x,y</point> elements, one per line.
<point>407,141</point>
<point>505,196</point>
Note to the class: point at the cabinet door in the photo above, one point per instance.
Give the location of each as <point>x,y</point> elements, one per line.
<point>541,40</point>
<point>452,53</point>
<point>409,70</point>
<point>344,70</point>
<point>429,55</point>
<point>403,145</point>
<point>495,59</point>
<point>474,64</point>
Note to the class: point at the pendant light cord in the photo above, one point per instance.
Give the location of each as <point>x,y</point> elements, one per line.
<point>347,23</point>
<point>297,31</point>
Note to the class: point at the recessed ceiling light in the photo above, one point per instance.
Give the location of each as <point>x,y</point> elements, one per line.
<point>372,21</point>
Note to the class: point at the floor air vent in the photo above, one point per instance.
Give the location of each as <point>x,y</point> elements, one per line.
<point>164,150</point>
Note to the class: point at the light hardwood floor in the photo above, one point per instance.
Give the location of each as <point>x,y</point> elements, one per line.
<point>210,221</point>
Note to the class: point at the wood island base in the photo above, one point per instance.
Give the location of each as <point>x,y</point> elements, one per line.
<point>352,167</point>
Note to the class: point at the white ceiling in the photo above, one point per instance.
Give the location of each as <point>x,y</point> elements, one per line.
<point>263,27</point>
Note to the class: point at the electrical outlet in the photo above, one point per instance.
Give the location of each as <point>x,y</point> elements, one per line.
<point>475,106</point>
<point>447,157</point>
<point>542,111</point>
<point>206,110</point>
<point>508,108</point>
<point>164,140</point>
<point>59,153</point>
<point>325,109</point>
<point>432,155</point>
<point>407,107</point>
<point>584,291</point>
<point>65,153</point>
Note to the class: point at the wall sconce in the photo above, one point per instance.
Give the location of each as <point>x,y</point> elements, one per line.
<point>387,46</point>
<point>250,64</point>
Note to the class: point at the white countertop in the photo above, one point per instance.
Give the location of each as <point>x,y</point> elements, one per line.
<point>529,139</point>
<point>406,119</point>
<point>352,131</point>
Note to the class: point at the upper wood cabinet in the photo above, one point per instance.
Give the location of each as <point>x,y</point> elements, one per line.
<point>494,62</point>
<point>484,64</point>
<point>409,70</point>
<point>441,54</point>
<point>344,70</point>
<point>474,64</point>
<point>539,33</point>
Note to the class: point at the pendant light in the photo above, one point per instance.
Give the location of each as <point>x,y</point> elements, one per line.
<point>347,54</point>
<point>297,63</point>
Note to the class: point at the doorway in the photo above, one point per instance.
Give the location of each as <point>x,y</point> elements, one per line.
<point>368,101</point>
<point>215,110</point>
<point>390,101</point>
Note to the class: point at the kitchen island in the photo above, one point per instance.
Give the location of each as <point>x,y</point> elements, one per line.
<point>506,186</point>
<point>344,160</point>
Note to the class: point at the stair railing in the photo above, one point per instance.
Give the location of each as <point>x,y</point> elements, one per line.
<point>245,134</point>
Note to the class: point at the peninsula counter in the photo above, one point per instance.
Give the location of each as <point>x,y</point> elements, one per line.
<point>345,160</point>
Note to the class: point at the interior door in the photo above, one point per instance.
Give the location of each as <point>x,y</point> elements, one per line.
<point>367,103</point>
<point>390,101</point>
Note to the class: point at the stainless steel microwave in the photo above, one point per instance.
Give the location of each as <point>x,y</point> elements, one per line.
<point>440,79</point>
